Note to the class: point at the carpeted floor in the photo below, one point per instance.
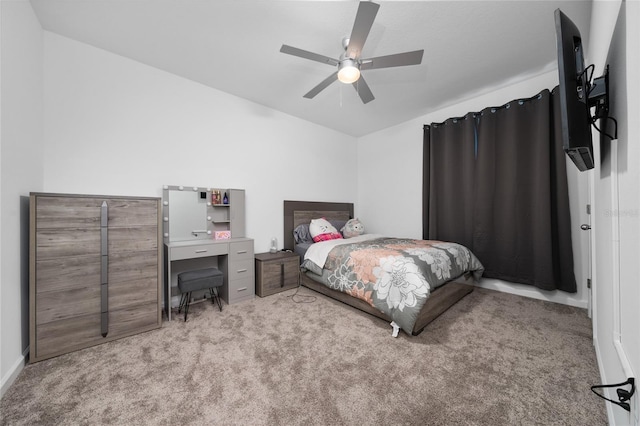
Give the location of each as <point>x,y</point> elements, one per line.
<point>492,359</point>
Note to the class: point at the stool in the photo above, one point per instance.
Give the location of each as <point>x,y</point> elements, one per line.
<point>200,279</point>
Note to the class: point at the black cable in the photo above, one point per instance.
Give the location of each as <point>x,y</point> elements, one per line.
<point>623,394</point>
<point>615,133</point>
<point>589,77</point>
<point>304,297</point>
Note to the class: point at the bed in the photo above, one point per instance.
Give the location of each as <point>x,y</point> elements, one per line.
<point>438,301</point>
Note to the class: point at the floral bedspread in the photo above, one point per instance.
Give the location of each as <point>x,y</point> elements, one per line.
<point>396,275</point>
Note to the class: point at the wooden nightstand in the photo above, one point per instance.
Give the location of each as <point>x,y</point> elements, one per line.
<point>276,272</point>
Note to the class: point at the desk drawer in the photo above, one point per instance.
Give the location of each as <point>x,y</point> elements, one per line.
<point>241,289</point>
<point>241,269</point>
<point>201,250</point>
<point>240,250</point>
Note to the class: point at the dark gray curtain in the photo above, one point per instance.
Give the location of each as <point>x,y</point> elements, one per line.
<point>496,182</point>
<point>449,175</point>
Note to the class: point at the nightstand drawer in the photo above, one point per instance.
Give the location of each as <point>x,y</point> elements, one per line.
<point>276,272</point>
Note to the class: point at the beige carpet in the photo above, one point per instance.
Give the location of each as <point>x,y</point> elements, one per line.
<point>492,359</point>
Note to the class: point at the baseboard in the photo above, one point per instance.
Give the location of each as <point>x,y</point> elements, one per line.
<point>610,415</point>
<point>532,292</point>
<point>13,373</point>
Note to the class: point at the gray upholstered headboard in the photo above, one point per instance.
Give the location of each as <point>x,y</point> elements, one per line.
<point>300,212</point>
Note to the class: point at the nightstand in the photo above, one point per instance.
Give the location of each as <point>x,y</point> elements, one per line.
<point>276,272</point>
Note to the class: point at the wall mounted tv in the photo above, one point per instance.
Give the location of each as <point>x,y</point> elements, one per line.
<point>577,94</point>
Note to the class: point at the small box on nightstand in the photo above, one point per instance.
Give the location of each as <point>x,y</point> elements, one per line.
<point>276,272</point>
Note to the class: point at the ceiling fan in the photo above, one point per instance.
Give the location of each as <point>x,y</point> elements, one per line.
<point>350,63</point>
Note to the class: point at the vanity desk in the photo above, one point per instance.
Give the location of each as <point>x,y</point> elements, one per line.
<point>234,258</point>
<point>203,229</point>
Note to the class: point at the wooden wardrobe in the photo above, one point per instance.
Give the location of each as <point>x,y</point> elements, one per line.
<point>94,270</point>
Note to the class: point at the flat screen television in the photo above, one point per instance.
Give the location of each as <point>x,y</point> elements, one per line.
<point>574,91</point>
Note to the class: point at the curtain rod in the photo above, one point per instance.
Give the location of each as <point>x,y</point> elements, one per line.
<point>493,109</point>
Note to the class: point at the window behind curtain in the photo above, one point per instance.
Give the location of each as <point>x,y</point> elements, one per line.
<point>495,181</point>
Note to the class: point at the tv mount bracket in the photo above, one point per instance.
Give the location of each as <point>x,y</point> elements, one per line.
<point>598,95</point>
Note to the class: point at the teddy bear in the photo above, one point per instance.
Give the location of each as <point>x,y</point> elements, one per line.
<point>352,228</point>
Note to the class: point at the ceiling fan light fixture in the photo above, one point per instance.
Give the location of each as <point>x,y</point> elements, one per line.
<point>348,71</point>
<point>350,62</point>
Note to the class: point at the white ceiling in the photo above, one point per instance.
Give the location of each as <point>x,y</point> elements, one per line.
<point>233,46</point>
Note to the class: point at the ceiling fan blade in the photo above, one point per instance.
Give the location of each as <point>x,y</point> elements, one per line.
<point>323,85</point>
<point>363,90</point>
<point>308,55</point>
<point>397,60</point>
<point>364,20</point>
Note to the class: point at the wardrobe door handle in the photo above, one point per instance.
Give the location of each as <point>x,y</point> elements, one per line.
<point>104,269</point>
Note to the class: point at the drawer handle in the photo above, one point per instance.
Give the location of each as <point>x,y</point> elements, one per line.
<point>281,275</point>
<point>104,269</point>
<point>242,270</point>
<point>241,251</point>
<point>201,251</point>
<point>242,289</point>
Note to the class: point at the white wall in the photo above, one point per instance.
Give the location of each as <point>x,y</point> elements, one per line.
<point>391,201</point>
<point>115,126</point>
<point>616,215</point>
<point>76,119</point>
<point>21,172</point>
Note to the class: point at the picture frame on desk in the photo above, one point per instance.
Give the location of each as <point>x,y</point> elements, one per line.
<point>222,235</point>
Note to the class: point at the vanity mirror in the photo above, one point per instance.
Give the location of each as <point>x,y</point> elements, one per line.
<point>190,214</point>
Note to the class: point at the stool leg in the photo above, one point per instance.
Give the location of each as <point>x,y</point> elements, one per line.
<point>183,300</point>
<point>186,308</point>
<point>214,295</point>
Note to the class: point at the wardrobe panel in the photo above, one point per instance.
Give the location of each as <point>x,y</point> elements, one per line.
<point>58,305</point>
<point>52,243</point>
<point>132,266</point>
<point>66,335</point>
<point>94,270</point>
<point>124,321</point>
<point>123,240</point>
<point>61,273</point>
<point>130,293</point>
<point>132,213</point>
<point>68,212</point>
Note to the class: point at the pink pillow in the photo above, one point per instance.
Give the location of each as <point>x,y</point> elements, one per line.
<point>328,236</point>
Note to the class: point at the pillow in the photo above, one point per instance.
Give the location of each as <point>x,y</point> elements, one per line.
<point>338,224</point>
<point>322,230</point>
<point>301,234</point>
<point>352,228</point>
